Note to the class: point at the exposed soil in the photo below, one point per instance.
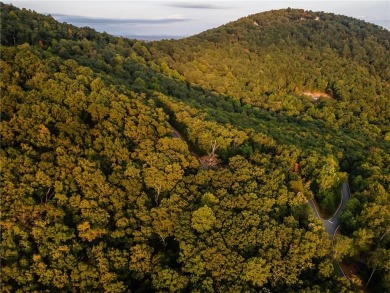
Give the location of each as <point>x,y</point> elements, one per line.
<point>350,269</point>
<point>316,95</point>
<point>357,268</point>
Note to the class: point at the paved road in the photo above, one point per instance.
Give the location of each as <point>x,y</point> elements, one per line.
<point>333,222</point>
<point>177,134</point>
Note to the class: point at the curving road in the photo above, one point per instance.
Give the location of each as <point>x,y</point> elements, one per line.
<point>330,224</point>
<point>177,134</point>
<point>333,222</point>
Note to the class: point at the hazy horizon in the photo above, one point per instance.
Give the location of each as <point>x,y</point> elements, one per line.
<point>152,20</point>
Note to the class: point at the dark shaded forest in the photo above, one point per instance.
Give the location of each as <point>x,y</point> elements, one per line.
<point>98,194</point>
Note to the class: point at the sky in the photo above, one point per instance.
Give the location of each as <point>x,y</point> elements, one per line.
<point>174,19</point>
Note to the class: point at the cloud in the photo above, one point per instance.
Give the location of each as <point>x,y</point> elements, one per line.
<point>194,5</point>
<point>85,20</point>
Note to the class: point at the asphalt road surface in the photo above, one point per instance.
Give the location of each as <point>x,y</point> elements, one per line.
<point>333,222</point>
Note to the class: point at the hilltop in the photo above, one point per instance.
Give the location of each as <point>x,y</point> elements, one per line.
<point>268,59</point>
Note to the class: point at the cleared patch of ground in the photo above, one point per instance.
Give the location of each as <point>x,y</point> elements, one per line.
<point>316,95</point>
<point>354,268</point>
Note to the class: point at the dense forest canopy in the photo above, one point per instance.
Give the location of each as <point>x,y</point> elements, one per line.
<point>187,165</point>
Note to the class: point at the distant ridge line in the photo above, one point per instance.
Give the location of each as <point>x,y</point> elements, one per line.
<point>151,37</point>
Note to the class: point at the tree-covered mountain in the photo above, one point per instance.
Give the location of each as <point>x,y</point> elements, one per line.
<point>268,60</point>
<point>187,165</point>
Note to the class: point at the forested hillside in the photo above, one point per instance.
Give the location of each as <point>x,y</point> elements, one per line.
<point>187,165</point>
<point>269,60</point>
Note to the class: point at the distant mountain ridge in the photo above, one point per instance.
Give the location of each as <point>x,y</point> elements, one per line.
<point>151,38</point>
